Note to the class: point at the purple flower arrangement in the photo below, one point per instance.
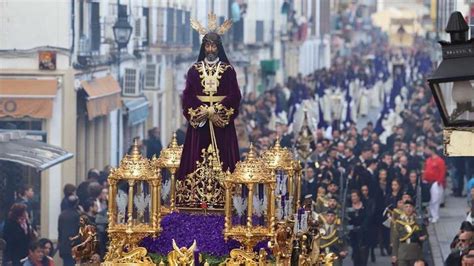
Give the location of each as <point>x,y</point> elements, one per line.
<point>184,228</point>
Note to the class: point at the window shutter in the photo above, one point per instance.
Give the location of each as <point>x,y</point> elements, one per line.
<point>146,17</point>
<point>160,25</point>
<point>95,27</point>
<point>170,25</point>
<point>187,27</point>
<point>179,27</point>
<point>259,31</point>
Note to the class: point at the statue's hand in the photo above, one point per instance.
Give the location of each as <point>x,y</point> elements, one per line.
<point>201,116</point>
<point>218,121</point>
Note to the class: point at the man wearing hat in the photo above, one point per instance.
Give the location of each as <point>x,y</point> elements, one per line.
<point>330,241</point>
<point>333,205</point>
<point>407,237</point>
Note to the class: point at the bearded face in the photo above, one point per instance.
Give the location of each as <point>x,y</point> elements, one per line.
<point>211,51</point>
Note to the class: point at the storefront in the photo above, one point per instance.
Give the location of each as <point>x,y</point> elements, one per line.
<point>23,156</point>
<point>98,102</point>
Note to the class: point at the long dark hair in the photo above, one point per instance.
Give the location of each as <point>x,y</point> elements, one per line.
<point>215,38</point>
<point>16,210</point>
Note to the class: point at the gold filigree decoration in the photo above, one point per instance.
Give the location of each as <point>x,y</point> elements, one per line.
<point>279,158</point>
<point>250,173</point>
<point>117,255</point>
<point>224,112</point>
<point>181,256</point>
<point>135,171</point>
<point>210,74</point>
<point>204,185</point>
<point>212,25</point>
<point>241,257</point>
<point>282,244</point>
<point>252,170</point>
<point>193,115</point>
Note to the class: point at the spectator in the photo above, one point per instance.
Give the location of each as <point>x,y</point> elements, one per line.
<point>83,189</point>
<point>90,209</point>
<point>95,193</point>
<point>68,226</point>
<point>359,219</point>
<point>69,189</point>
<point>153,143</point>
<point>25,196</point>
<point>370,206</point>
<point>103,199</point>
<point>465,227</point>
<point>462,248</point>
<point>17,234</point>
<point>36,256</point>
<point>104,174</point>
<point>310,184</point>
<point>435,174</point>
<point>48,247</point>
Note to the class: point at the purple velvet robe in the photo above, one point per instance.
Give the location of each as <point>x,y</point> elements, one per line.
<point>199,138</point>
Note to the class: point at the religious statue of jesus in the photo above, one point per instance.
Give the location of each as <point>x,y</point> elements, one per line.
<point>210,102</point>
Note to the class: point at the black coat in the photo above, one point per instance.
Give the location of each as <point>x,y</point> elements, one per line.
<point>153,147</point>
<point>82,191</point>
<point>454,259</point>
<point>17,241</point>
<point>68,225</point>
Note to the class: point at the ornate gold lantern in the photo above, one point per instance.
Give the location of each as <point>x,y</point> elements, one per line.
<point>134,209</point>
<point>249,174</point>
<point>280,161</point>
<point>170,159</point>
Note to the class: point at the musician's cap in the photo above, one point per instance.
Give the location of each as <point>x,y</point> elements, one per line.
<point>407,192</point>
<point>308,196</point>
<point>330,211</point>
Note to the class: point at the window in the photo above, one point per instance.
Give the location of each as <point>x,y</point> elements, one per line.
<point>160,25</point>
<point>259,31</point>
<point>130,82</point>
<point>170,25</point>
<point>238,31</point>
<point>146,24</point>
<point>150,76</point>
<point>95,26</point>
<point>187,27</point>
<point>138,27</point>
<point>179,29</point>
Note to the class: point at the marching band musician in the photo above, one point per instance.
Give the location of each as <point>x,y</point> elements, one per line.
<point>407,237</point>
<point>330,242</point>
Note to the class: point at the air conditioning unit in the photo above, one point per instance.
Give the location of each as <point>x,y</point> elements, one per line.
<point>131,82</point>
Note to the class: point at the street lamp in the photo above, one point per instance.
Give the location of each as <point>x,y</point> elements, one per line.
<point>122,31</point>
<point>452,83</point>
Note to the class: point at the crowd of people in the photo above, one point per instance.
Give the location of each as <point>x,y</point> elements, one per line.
<point>89,199</point>
<point>375,171</point>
